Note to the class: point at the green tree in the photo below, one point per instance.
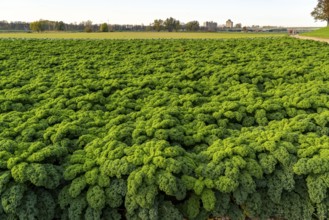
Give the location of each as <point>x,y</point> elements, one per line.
<point>321,11</point>
<point>193,26</point>
<point>59,26</point>
<point>88,26</point>
<point>158,25</point>
<point>37,26</point>
<point>171,24</point>
<point>104,28</point>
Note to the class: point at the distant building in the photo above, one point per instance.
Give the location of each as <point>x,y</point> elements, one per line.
<point>239,25</point>
<point>229,23</point>
<point>210,26</point>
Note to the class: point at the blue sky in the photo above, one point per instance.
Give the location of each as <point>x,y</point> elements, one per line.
<point>247,12</point>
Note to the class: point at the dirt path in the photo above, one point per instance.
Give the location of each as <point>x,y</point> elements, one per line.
<point>311,38</point>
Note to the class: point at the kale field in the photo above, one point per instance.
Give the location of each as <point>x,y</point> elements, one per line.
<point>164,129</point>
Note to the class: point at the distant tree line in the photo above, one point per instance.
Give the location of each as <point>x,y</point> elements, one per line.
<point>14,26</point>
<point>45,25</point>
<point>169,24</point>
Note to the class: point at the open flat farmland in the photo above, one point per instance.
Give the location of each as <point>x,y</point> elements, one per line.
<point>137,35</point>
<point>164,129</point>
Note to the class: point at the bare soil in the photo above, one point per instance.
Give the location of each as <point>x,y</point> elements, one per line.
<point>311,38</point>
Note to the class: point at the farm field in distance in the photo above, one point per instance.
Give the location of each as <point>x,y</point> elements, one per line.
<point>138,35</point>
<point>164,129</point>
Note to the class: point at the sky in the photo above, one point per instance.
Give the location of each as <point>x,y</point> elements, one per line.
<point>286,13</point>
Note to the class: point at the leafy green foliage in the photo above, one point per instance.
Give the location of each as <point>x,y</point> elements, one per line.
<point>164,129</point>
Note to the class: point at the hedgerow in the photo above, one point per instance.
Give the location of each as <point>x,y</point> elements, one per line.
<point>164,129</point>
